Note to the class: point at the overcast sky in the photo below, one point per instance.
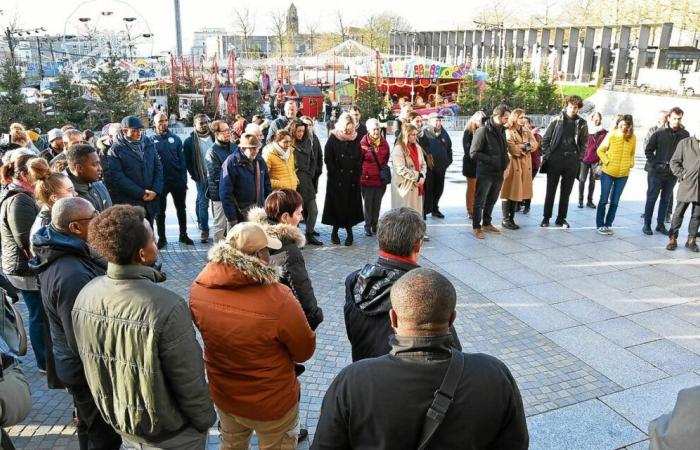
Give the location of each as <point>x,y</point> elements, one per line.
<point>57,14</point>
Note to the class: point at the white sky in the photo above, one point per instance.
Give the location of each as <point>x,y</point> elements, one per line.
<point>195,14</point>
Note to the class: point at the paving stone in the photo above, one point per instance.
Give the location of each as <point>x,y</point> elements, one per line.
<point>476,277</point>
<point>664,324</point>
<point>587,425</point>
<point>585,310</point>
<point>644,445</point>
<point>667,356</point>
<point>641,404</point>
<point>623,331</point>
<point>530,310</point>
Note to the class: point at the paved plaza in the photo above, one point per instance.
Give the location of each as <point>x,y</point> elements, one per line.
<point>600,332</point>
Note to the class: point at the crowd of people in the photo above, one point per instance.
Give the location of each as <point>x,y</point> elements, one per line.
<point>80,250</point>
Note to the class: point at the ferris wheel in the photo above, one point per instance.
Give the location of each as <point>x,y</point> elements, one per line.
<point>99,29</point>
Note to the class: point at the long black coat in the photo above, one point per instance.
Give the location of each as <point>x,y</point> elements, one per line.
<point>343,205</point>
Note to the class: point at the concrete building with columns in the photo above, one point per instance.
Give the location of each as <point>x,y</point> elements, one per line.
<point>576,53</point>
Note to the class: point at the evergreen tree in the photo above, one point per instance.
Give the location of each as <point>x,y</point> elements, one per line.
<point>69,106</point>
<point>117,99</point>
<point>370,100</point>
<point>248,101</point>
<point>469,98</point>
<point>13,107</point>
<point>526,97</point>
<point>546,93</point>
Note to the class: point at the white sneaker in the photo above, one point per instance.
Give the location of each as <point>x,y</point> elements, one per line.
<point>609,231</point>
<point>602,230</point>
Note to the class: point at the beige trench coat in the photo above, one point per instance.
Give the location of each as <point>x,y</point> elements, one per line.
<point>404,179</point>
<point>517,179</point>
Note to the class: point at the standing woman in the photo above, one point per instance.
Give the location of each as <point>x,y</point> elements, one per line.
<point>517,179</point>
<point>343,157</point>
<point>279,157</point>
<point>468,164</point>
<point>18,209</point>
<point>375,157</point>
<point>49,187</point>
<point>596,134</point>
<point>616,154</point>
<point>408,171</point>
<point>535,157</point>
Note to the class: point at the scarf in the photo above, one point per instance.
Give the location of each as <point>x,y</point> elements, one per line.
<point>342,136</point>
<point>376,143</point>
<point>200,167</point>
<point>594,129</point>
<point>279,151</point>
<point>135,146</point>
<point>413,153</point>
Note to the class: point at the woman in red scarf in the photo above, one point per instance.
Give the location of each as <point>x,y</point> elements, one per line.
<point>375,157</point>
<point>408,171</point>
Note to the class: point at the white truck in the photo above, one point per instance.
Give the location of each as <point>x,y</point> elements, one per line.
<point>665,80</point>
<point>692,84</point>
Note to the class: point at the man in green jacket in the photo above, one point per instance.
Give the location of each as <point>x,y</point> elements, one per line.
<point>142,361</point>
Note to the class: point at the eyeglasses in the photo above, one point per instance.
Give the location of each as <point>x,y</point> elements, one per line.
<point>94,214</point>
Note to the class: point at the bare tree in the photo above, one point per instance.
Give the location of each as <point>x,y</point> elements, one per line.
<point>10,35</point>
<point>279,27</point>
<point>244,23</point>
<point>342,28</point>
<point>312,32</point>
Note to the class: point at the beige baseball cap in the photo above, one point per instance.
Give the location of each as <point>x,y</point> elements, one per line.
<point>250,237</point>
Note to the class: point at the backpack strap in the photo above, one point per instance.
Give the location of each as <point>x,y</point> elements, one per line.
<point>443,398</point>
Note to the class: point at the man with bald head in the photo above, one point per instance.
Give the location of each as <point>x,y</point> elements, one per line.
<point>424,392</point>
<point>64,264</point>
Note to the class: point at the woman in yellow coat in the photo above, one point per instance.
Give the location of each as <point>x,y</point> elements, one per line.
<point>279,157</point>
<point>616,155</point>
<point>517,179</point>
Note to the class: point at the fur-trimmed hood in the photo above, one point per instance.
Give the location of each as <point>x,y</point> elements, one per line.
<point>282,231</point>
<point>230,268</point>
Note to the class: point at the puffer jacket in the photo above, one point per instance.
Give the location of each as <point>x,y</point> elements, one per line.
<point>18,210</point>
<point>290,259</point>
<point>253,331</point>
<point>283,174</point>
<point>372,159</point>
<point>96,193</point>
<point>616,154</point>
<point>239,190</point>
<point>141,357</point>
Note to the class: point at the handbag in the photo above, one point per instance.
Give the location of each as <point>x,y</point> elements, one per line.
<point>597,170</point>
<point>443,398</point>
<point>13,338</point>
<point>384,172</point>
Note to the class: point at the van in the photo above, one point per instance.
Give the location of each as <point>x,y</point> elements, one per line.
<point>692,84</point>
<point>659,80</point>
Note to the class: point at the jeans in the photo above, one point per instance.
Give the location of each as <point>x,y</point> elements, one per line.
<point>93,431</point>
<point>179,197</point>
<point>202,206</point>
<point>586,172</point>
<point>561,167</point>
<point>487,189</point>
<point>280,434</point>
<point>36,325</point>
<point>677,221</point>
<point>655,186</point>
<point>610,187</point>
<point>372,198</point>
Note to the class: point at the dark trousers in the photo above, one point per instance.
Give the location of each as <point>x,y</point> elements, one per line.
<point>438,189</point>
<point>655,186</point>
<point>487,189</point>
<point>562,171</point>
<point>93,431</point>
<point>372,198</point>
<point>586,172</point>
<point>179,197</point>
<point>528,201</point>
<point>677,221</point>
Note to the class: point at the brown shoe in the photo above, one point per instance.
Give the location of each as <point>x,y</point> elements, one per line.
<point>491,229</point>
<point>205,237</point>
<point>479,233</point>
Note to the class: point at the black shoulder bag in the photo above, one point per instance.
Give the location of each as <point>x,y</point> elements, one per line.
<point>443,398</point>
<point>384,172</point>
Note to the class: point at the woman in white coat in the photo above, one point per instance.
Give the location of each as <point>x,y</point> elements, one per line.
<point>408,170</point>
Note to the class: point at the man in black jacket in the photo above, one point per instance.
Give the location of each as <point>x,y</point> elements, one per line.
<point>490,151</point>
<point>280,123</point>
<point>65,264</point>
<point>660,178</point>
<point>441,149</point>
<point>382,402</point>
<point>85,170</point>
<point>400,236</point>
<point>563,146</point>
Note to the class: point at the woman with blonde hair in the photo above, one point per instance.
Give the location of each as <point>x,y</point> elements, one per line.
<point>49,187</point>
<point>279,157</point>
<point>343,157</point>
<point>468,164</point>
<point>517,179</point>
<point>408,170</point>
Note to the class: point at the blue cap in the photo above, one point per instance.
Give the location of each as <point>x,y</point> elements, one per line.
<point>131,122</point>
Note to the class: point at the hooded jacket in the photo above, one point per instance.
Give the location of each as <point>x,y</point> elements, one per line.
<point>141,357</point>
<point>291,261</point>
<point>96,193</point>
<point>489,149</point>
<point>64,265</point>
<point>17,213</point>
<point>253,331</point>
<point>367,305</point>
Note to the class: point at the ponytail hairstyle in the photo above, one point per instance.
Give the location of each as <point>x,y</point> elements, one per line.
<point>47,183</point>
<point>15,167</point>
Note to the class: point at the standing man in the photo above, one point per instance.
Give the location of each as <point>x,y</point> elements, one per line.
<point>441,150</point>
<point>216,155</point>
<point>135,171</point>
<point>318,154</point>
<point>64,264</point>
<point>662,122</point>
<point>195,147</point>
<point>685,164</point>
<point>360,127</point>
<point>55,147</point>
<point>471,400</point>
<point>141,357</point>
<point>563,146</point>
<point>282,122</point>
<point>490,151</point>
<point>660,178</point>
<point>305,162</point>
<point>84,170</point>
<point>172,156</point>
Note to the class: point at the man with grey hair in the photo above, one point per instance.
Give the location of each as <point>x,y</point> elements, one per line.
<point>367,304</point>
<point>425,393</point>
<point>64,264</point>
<point>70,137</point>
<point>280,123</point>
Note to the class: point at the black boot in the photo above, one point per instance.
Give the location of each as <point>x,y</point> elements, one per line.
<point>334,236</point>
<point>349,238</point>
<point>526,206</point>
<point>508,208</point>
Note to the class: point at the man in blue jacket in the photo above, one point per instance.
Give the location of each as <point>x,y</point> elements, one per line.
<point>169,148</point>
<point>135,175</point>
<point>215,157</point>
<point>245,182</point>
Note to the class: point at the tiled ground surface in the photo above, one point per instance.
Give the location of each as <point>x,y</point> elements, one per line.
<point>600,332</point>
